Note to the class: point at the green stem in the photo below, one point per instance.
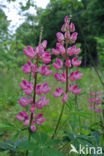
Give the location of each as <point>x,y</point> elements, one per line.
<point>77,109</point>
<point>63,105</point>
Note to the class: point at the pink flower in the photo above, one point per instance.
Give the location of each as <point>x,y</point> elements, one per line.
<point>67,35</point>
<point>72,27</point>
<point>91,106</point>
<point>74,89</point>
<point>68,62</point>
<point>32,109</point>
<point>46,57</point>
<point>77,90</point>
<point>92,93</point>
<point>61,49</point>
<point>59,91</point>
<point>91,100</point>
<point>60,37</point>
<point>44,44</point>
<point>40,50</point>
<point>73,37</point>
<point>26,123</point>
<point>70,87</point>
<point>99,92</point>
<point>27,87</point>
<point>30,52</point>
<point>76,62</point>
<point>58,64</point>
<point>71,51</point>
<point>39,119</point>
<point>55,52</point>
<point>98,110</point>
<point>19,117</point>
<point>63,77</point>
<point>44,70</point>
<point>77,51</point>
<point>34,68</point>
<point>23,101</point>
<point>45,89</point>
<point>33,128</point>
<point>27,67</point>
<point>75,76</point>
<point>98,101</point>
<point>22,116</point>
<point>65,98</point>
<point>66,19</point>
<point>42,89</point>
<point>42,102</point>
<point>57,76</point>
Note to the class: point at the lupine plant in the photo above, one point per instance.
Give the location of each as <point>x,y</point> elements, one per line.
<point>95,101</point>
<point>69,60</point>
<point>31,100</point>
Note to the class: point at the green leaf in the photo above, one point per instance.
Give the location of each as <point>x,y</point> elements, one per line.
<point>37,151</point>
<point>53,142</point>
<point>43,138</point>
<point>52,152</point>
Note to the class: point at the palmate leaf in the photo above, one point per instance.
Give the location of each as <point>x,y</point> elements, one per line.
<point>52,152</point>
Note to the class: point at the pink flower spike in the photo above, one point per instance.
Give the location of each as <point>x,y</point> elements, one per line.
<point>72,27</point>
<point>58,64</point>
<point>55,52</point>
<point>98,110</point>
<point>23,101</point>
<point>68,63</point>
<point>73,37</point>
<point>33,128</point>
<point>65,98</point>
<point>59,91</point>
<point>76,62</point>
<point>60,37</point>
<point>91,106</point>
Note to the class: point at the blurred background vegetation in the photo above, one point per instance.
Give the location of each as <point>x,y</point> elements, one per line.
<point>87,15</point>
